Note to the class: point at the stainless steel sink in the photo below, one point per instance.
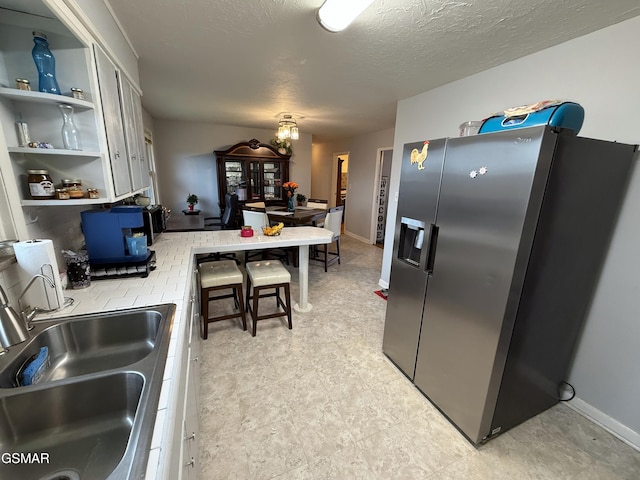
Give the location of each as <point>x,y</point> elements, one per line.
<point>83,427</point>
<point>88,344</point>
<point>92,414</point>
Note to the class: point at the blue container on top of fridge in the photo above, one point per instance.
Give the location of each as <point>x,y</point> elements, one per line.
<point>568,115</point>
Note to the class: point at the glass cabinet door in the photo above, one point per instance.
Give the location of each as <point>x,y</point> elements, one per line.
<point>235,177</point>
<point>254,171</point>
<point>272,180</point>
<point>255,186</point>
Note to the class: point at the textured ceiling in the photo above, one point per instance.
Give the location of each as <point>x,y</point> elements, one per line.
<point>242,62</point>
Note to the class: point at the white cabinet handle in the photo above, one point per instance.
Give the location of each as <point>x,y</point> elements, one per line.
<point>191,437</point>
<point>195,359</point>
<point>191,463</point>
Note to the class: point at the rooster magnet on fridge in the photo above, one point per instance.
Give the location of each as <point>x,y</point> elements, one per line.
<point>420,156</point>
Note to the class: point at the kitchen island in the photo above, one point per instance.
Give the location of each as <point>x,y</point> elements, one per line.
<point>171,282</point>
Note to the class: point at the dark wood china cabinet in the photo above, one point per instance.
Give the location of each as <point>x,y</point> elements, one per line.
<point>254,171</point>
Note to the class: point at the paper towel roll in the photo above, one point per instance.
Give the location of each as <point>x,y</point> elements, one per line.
<point>31,255</point>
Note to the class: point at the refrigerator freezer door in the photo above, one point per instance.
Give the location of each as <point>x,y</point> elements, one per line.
<point>417,204</point>
<point>492,188</point>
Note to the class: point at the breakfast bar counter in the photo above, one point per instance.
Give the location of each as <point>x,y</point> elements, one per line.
<point>231,241</point>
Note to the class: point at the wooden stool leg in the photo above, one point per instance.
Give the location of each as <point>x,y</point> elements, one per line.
<point>338,247</point>
<point>287,293</point>
<point>254,311</point>
<point>248,296</point>
<point>238,291</point>
<point>326,255</point>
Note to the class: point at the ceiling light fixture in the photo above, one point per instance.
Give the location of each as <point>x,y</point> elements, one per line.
<point>336,15</point>
<point>288,128</point>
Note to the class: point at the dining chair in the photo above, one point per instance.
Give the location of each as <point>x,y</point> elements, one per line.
<point>225,222</point>
<point>318,203</point>
<point>256,218</point>
<point>333,223</point>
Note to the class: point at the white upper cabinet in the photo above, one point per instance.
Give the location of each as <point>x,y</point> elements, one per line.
<point>108,78</point>
<point>134,135</point>
<point>109,118</point>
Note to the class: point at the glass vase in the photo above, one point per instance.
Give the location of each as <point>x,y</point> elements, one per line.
<point>70,133</point>
<point>290,206</point>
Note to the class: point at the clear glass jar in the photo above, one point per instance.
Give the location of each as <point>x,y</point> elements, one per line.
<point>62,194</point>
<point>77,93</point>
<point>92,193</point>
<point>23,84</point>
<point>74,187</point>
<point>40,185</point>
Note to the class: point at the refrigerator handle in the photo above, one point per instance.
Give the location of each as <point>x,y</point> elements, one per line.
<point>433,242</point>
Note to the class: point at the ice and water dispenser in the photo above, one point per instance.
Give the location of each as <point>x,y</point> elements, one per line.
<point>411,240</point>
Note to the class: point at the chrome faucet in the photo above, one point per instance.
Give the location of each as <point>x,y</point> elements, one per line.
<point>13,328</point>
<point>27,313</point>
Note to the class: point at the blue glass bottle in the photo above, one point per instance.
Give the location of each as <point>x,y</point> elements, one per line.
<point>45,63</point>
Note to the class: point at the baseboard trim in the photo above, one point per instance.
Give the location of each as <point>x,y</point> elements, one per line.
<point>357,237</point>
<point>611,425</point>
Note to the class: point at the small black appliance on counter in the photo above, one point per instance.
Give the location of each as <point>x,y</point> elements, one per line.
<point>155,222</point>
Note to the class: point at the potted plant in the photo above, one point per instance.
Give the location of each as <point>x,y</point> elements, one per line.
<point>192,200</point>
<point>300,198</point>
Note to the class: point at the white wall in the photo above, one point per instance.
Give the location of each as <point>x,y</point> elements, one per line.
<point>363,155</point>
<point>186,164</point>
<point>600,72</point>
<point>322,175</point>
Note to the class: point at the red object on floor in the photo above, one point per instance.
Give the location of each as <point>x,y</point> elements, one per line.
<point>380,294</point>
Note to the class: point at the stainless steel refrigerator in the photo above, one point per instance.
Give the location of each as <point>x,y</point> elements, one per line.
<point>499,242</point>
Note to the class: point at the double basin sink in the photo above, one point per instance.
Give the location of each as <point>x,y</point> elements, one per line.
<point>92,412</point>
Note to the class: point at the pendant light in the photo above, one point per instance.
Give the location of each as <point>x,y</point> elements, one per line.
<point>288,128</point>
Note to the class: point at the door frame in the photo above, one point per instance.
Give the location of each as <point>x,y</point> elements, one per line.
<point>334,176</point>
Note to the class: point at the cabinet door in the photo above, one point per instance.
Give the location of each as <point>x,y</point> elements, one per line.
<point>272,180</point>
<point>255,181</point>
<point>191,424</point>
<point>132,135</point>
<point>235,177</point>
<point>108,79</point>
<point>145,175</point>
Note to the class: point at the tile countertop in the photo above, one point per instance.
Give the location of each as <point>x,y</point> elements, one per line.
<point>169,283</point>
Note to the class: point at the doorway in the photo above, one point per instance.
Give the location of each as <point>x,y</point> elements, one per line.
<point>342,182</point>
<point>381,196</point>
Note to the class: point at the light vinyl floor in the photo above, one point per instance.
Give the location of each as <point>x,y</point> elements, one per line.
<point>322,401</point>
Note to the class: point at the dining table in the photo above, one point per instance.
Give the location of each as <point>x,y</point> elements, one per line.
<point>185,223</point>
<point>300,216</point>
<point>222,241</point>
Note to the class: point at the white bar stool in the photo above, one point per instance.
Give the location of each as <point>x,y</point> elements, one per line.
<point>220,275</point>
<point>265,275</point>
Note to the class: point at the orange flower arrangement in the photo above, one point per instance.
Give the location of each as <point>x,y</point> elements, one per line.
<point>290,187</point>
